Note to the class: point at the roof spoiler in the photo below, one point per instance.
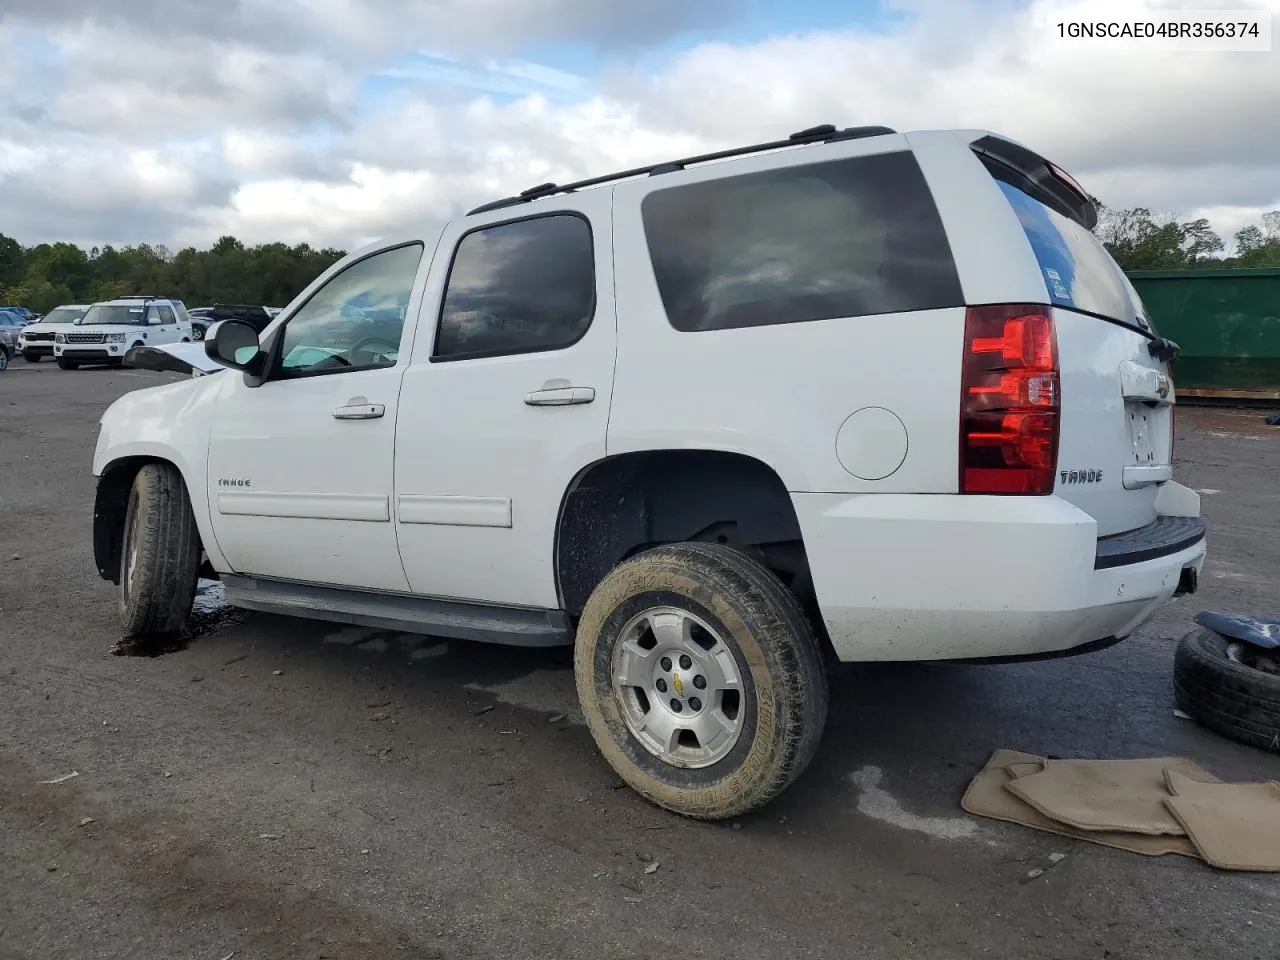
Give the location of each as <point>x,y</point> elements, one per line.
<point>1036,176</point>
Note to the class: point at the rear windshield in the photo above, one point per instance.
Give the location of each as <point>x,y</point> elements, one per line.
<point>846,238</point>
<point>1077,270</point>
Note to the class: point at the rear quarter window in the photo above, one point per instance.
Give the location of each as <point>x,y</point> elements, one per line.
<point>847,238</point>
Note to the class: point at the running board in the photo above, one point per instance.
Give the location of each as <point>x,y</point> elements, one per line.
<point>512,626</point>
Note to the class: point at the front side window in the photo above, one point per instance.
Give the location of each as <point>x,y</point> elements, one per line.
<point>517,288</point>
<point>845,238</point>
<point>355,321</point>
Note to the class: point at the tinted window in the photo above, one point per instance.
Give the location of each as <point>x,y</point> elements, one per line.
<point>841,239</point>
<point>354,321</point>
<point>1077,270</point>
<point>519,287</point>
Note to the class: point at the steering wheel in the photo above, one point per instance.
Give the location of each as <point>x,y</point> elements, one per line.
<point>355,348</point>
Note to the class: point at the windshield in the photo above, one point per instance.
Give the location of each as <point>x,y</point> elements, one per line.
<point>63,315</point>
<point>114,316</point>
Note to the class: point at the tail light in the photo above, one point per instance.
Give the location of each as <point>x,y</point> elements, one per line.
<point>1010,404</point>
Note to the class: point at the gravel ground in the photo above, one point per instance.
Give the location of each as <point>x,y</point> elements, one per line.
<point>291,789</point>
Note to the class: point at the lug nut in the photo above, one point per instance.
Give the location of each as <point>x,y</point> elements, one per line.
<point>700,682</point>
<point>661,685</point>
<point>695,704</point>
<point>676,706</point>
<point>685,662</point>
<point>665,663</point>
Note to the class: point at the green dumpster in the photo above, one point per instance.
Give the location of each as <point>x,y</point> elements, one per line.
<point>1227,323</point>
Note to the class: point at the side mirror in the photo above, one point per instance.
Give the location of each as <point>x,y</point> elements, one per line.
<point>235,344</point>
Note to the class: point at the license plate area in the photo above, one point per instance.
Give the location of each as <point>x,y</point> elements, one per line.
<point>1149,443</point>
<point>1142,440</point>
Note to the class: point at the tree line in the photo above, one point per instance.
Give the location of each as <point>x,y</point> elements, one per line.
<point>1140,240</point>
<point>46,275</point>
<point>49,274</point>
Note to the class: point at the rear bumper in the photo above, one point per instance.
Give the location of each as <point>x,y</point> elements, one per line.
<point>901,577</point>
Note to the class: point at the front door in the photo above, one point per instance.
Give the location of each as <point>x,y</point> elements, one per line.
<point>300,467</point>
<point>507,399</point>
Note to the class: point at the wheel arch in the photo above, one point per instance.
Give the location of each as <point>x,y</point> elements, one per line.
<point>623,504</point>
<point>111,504</point>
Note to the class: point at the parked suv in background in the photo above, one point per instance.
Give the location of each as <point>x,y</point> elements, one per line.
<point>35,340</point>
<point>202,318</point>
<point>11,325</point>
<point>855,395</point>
<point>109,329</point>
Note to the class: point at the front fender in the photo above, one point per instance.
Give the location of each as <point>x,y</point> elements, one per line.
<point>169,423</point>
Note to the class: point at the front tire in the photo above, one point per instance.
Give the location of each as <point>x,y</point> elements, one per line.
<point>4,359</point>
<point>159,553</point>
<point>31,357</point>
<point>700,679</point>
<point>67,364</point>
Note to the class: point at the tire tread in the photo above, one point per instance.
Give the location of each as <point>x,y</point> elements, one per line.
<point>1233,700</point>
<point>169,554</point>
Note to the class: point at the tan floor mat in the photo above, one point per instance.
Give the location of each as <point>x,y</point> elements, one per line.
<point>1234,826</point>
<point>1108,795</point>
<point>987,797</point>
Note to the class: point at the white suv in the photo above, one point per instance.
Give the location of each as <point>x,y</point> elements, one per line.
<point>856,395</point>
<point>112,328</point>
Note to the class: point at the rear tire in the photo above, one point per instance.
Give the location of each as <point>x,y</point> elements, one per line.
<point>159,553</point>
<point>67,364</point>
<point>745,635</point>
<point>4,359</point>
<point>1229,698</point>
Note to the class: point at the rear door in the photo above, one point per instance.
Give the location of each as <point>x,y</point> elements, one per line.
<point>507,398</point>
<point>1116,443</point>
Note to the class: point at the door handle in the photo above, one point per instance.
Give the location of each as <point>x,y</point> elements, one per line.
<point>360,411</point>
<point>560,396</point>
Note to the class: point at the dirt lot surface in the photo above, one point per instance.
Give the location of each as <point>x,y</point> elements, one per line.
<point>290,789</point>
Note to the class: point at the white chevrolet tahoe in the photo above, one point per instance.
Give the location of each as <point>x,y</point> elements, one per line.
<point>111,328</point>
<point>857,395</point>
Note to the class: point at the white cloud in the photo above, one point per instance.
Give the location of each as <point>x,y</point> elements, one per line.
<point>292,146</point>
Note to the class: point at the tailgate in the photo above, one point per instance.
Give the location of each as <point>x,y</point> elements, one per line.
<point>1116,442</point>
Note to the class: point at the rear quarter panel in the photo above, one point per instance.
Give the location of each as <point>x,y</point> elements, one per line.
<point>781,393</point>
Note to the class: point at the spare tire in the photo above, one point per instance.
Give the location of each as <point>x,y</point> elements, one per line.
<point>1226,695</point>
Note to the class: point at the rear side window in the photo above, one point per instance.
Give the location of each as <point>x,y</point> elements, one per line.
<point>847,238</point>
<point>1077,270</point>
<point>166,314</point>
<point>518,288</point>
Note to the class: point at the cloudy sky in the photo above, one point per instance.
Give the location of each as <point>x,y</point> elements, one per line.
<point>337,121</point>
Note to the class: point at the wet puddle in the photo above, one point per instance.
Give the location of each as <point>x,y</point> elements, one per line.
<point>208,614</point>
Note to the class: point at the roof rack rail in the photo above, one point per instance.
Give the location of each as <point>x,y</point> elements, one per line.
<point>137,296</point>
<point>824,133</point>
